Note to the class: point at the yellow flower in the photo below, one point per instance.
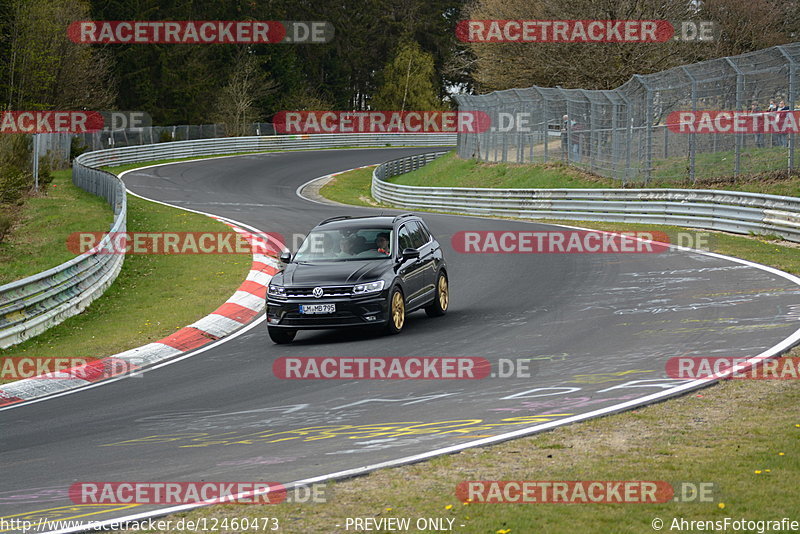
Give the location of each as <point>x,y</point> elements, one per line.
<point>721,505</point>
<point>506,531</point>
<point>448,506</point>
<point>758,472</point>
<point>781,453</point>
<point>767,471</point>
<point>388,509</point>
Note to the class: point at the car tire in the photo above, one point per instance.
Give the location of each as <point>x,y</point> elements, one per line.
<point>281,336</point>
<point>441,297</point>
<point>397,311</point>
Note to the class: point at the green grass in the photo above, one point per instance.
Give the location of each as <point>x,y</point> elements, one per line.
<point>452,171</point>
<point>355,189</point>
<point>715,165</point>
<point>39,238</point>
<point>153,296</point>
<point>714,171</point>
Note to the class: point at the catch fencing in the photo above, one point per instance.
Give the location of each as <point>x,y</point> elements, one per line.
<point>623,134</point>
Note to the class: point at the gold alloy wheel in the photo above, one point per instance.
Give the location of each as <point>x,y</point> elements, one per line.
<point>398,310</point>
<point>444,295</point>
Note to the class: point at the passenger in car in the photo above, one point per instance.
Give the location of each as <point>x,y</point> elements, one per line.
<point>382,241</point>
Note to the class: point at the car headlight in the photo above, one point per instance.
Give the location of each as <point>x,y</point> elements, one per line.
<point>369,287</point>
<point>277,291</point>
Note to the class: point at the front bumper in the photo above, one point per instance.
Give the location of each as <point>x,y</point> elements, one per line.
<point>359,311</point>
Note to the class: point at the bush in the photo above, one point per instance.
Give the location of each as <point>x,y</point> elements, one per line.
<point>5,225</point>
<point>45,173</point>
<point>76,147</point>
<point>14,184</point>
<point>15,151</point>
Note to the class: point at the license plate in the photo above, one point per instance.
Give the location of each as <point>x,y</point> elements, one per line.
<point>317,308</point>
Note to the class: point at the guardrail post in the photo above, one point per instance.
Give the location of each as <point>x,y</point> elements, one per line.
<point>648,113</point>
<point>692,135</point>
<point>791,98</point>
<point>739,107</point>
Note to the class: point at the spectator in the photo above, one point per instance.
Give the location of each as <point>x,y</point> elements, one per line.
<point>773,107</point>
<point>781,137</point>
<point>570,143</point>
<point>759,136</point>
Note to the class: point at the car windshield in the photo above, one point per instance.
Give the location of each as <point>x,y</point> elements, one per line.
<point>346,244</point>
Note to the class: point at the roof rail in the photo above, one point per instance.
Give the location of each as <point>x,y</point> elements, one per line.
<point>337,218</point>
<point>402,216</point>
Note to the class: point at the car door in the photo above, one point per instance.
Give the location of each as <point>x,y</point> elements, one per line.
<point>411,272</point>
<point>422,241</point>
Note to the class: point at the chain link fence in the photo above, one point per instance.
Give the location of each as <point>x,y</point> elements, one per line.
<point>623,133</point>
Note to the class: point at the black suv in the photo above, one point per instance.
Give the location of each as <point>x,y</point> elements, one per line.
<point>357,271</point>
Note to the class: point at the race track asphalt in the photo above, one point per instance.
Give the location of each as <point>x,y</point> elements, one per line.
<point>597,330</point>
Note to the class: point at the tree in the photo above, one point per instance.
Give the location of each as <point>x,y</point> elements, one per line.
<point>496,66</point>
<point>407,81</point>
<point>41,68</point>
<point>747,25</point>
<point>236,102</point>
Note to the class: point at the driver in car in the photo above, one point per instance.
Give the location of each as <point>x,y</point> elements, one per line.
<point>348,246</point>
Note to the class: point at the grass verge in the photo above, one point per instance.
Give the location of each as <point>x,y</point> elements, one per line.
<point>153,296</point>
<point>38,239</point>
<point>451,171</point>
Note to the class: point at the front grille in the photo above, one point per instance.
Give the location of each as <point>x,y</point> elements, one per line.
<point>327,291</point>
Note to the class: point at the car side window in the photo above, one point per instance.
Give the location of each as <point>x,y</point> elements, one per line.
<point>418,238</point>
<point>426,235</point>
<point>404,238</point>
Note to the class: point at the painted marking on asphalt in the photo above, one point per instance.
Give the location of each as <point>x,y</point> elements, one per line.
<point>600,378</point>
<point>316,433</point>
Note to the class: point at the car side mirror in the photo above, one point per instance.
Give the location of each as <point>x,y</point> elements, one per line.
<point>410,254</point>
<point>285,257</point>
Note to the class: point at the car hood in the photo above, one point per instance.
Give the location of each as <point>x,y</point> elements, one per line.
<point>334,273</point>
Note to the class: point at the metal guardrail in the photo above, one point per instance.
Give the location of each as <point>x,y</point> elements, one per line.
<point>32,305</point>
<point>727,211</point>
<point>232,145</point>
